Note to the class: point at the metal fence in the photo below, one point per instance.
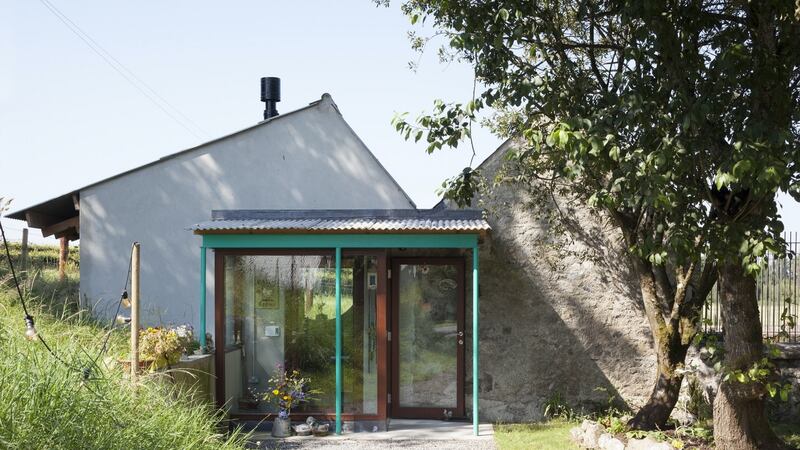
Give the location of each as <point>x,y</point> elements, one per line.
<point>777,291</point>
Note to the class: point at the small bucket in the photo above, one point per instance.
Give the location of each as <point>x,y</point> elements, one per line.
<point>281,428</point>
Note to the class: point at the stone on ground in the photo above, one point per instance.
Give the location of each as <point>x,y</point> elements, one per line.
<point>647,444</point>
<point>609,442</point>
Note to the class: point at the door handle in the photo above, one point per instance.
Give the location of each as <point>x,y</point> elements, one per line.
<point>460,334</point>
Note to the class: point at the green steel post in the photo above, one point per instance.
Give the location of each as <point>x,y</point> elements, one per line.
<point>338,340</point>
<point>203,298</point>
<point>475,340</point>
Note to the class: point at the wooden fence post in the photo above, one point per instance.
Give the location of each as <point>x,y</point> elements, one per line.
<point>23,253</point>
<point>63,255</point>
<point>135,312</point>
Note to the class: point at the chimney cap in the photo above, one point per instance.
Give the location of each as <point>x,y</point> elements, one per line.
<point>270,89</point>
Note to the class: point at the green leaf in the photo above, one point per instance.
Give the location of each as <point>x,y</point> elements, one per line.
<point>770,174</point>
<point>723,179</point>
<point>597,146</point>
<point>503,14</point>
<point>563,138</point>
<point>773,391</point>
<point>742,168</point>
<point>613,153</point>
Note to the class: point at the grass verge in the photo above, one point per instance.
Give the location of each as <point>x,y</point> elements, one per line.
<point>552,435</point>
<point>45,403</point>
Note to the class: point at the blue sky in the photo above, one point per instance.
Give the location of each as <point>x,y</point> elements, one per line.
<point>68,119</point>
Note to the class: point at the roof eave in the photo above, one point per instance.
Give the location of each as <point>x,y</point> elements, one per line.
<point>295,231</point>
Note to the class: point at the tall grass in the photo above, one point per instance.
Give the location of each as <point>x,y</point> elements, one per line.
<point>45,403</point>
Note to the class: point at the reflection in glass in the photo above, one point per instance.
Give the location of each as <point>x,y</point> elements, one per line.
<point>427,335</point>
<point>280,309</point>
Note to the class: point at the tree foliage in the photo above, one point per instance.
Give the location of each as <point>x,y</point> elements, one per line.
<point>679,118</point>
<point>679,108</point>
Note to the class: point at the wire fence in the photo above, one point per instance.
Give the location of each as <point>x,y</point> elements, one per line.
<point>777,291</point>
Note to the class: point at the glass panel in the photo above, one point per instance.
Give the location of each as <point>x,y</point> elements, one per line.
<point>428,324</point>
<point>280,309</point>
<point>359,345</point>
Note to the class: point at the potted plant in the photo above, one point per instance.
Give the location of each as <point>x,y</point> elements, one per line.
<point>287,389</point>
<point>160,346</point>
<point>186,339</point>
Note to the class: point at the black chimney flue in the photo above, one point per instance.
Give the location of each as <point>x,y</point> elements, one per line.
<point>270,95</point>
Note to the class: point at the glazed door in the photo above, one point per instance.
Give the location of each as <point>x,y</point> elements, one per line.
<point>427,338</point>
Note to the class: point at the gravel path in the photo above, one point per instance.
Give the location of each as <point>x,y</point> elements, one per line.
<point>355,444</point>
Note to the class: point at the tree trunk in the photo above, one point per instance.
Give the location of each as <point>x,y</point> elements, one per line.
<point>740,420</point>
<point>670,356</point>
<point>654,414</point>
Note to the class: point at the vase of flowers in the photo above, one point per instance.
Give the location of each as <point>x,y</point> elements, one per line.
<point>287,389</point>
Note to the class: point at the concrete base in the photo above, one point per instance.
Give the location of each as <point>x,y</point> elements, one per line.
<point>403,430</point>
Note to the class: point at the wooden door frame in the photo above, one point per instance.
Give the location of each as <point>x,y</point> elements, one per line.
<point>381,317</point>
<point>396,411</point>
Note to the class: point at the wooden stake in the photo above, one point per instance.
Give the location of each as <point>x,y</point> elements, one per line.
<point>23,255</point>
<point>63,255</point>
<point>135,312</point>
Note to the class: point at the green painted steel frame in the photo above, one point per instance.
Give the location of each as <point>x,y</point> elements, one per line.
<point>339,379</point>
<point>350,241</point>
<point>290,241</point>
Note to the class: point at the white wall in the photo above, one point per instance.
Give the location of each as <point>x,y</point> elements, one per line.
<point>309,159</point>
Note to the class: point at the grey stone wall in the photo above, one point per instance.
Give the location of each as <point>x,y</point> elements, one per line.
<point>559,314</point>
<point>702,382</point>
<point>788,365</point>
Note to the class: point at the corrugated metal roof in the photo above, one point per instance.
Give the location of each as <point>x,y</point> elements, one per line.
<point>333,221</point>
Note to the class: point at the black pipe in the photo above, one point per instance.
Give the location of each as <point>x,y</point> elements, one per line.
<point>270,95</point>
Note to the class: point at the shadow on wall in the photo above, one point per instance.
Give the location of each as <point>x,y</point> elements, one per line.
<point>558,320</point>
<point>310,159</point>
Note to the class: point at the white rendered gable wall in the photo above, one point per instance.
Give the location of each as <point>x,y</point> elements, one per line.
<point>309,159</point>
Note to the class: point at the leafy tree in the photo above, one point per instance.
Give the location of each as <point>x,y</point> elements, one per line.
<point>679,119</point>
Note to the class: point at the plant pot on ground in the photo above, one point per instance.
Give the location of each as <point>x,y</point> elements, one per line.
<point>287,388</point>
<point>281,427</point>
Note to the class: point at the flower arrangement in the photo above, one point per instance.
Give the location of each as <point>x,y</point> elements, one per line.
<point>289,389</point>
<point>186,339</point>
<point>160,345</point>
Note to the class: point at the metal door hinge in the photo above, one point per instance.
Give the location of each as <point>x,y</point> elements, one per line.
<point>389,336</point>
<point>389,274</point>
<point>388,398</point>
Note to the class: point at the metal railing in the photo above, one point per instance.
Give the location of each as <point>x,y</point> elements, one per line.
<point>777,290</point>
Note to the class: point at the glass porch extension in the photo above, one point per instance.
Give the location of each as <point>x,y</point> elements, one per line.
<point>293,280</point>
